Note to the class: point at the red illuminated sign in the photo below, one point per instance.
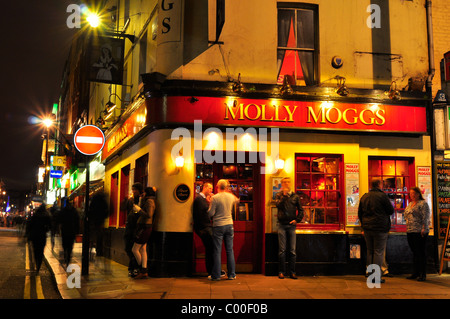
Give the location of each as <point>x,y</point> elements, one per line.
<point>290,114</point>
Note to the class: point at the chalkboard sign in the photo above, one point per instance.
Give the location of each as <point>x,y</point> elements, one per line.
<point>182,193</point>
<point>443,197</point>
<point>445,250</point>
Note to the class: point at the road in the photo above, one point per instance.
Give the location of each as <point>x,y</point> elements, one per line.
<point>18,279</point>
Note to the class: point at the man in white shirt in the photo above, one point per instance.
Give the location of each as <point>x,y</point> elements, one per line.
<point>221,213</point>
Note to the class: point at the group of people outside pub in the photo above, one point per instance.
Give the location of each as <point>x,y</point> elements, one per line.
<point>213,223</point>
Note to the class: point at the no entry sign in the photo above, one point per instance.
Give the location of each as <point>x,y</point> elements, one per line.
<point>89,140</point>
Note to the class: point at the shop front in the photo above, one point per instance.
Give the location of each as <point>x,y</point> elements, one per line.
<point>331,150</point>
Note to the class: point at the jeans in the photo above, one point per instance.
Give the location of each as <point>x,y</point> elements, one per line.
<point>286,233</point>
<point>417,243</point>
<point>206,236</point>
<point>376,246</point>
<point>225,234</point>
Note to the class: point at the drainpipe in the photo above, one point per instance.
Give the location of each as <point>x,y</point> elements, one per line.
<point>429,91</point>
<point>431,69</point>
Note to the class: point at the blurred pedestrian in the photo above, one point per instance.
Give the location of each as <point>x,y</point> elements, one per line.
<point>220,211</point>
<point>202,223</point>
<point>38,227</point>
<point>290,212</point>
<point>130,227</point>
<point>69,219</point>
<point>97,213</point>
<point>146,211</point>
<point>417,216</point>
<point>374,213</point>
<point>54,220</point>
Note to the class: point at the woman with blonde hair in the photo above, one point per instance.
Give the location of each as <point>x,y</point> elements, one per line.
<point>417,216</point>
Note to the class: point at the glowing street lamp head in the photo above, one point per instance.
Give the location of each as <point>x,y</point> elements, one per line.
<point>47,122</point>
<point>93,19</point>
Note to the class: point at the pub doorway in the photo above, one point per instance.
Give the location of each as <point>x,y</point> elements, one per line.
<point>247,183</point>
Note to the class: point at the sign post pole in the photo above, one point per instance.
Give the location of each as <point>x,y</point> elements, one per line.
<point>88,140</point>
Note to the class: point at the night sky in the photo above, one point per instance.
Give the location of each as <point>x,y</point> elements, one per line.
<point>35,45</point>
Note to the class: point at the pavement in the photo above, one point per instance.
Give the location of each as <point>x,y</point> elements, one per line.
<point>108,279</point>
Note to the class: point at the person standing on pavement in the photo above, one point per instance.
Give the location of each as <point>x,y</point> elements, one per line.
<point>130,227</point>
<point>38,227</point>
<point>290,212</point>
<point>417,217</point>
<point>69,219</point>
<point>146,211</point>
<point>220,211</point>
<point>97,213</point>
<point>374,213</point>
<point>202,223</point>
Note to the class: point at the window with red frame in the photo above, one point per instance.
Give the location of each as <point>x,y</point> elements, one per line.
<point>318,182</point>
<point>397,176</point>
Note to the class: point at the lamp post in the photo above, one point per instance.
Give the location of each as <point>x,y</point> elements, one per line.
<point>47,123</point>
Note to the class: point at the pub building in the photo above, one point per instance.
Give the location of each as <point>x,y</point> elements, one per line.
<point>197,132</point>
<point>259,103</point>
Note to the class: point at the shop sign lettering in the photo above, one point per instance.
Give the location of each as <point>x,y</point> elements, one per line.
<point>321,115</point>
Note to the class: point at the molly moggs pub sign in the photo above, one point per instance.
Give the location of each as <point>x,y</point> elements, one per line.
<point>292,114</point>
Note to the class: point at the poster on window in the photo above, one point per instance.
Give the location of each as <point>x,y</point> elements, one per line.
<point>105,62</point>
<point>424,183</point>
<point>352,193</point>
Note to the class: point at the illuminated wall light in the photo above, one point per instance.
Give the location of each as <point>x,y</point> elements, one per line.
<point>179,161</point>
<point>279,164</point>
<point>213,139</point>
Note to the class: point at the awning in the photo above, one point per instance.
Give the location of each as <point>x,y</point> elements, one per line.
<point>94,187</point>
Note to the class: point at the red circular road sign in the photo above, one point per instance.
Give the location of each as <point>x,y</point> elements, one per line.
<point>89,140</point>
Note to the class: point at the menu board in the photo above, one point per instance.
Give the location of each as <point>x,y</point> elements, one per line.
<point>445,251</point>
<point>443,197</point>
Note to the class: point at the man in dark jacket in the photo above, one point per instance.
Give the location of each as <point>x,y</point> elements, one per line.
<point>374,213</point>
<point>202,223</point>
<point>290,212</point>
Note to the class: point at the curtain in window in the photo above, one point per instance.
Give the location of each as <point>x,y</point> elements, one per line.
<point>305,40</point>
<point>285,18</point>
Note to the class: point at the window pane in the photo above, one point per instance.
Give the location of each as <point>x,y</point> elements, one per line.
<point>332,199</point>
<point>305,29</point>
<point>318,181</point>
<point>332,166</point>
<point>374,167</point>
<point>303,181</point>
<point>332,182</point>
<point>285,27</point>
<point>402,168</point>
<point>303,165</point>
<point>388,167</point>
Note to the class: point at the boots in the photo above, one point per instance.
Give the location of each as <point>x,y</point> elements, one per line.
<point>142,274</point>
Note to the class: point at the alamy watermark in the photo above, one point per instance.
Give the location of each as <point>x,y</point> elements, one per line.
<point>374,277</point>
<point>251,140</point>
<point>74,279</point>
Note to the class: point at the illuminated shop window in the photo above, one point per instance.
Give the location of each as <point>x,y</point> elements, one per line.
<point>297,45</point>
<point>319,184</point>
<point>397,176</point>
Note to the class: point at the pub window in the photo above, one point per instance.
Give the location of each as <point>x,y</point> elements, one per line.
<point>318,182</point>
<point>141,170</point>
<point>397,176</point>
<point>297,50</point>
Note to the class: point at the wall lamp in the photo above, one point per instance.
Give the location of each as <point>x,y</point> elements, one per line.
<point>279,164</point>
<point>286,88</point>
<point>238,87</point>
<point>393,93</point>
<point>341,89</point>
